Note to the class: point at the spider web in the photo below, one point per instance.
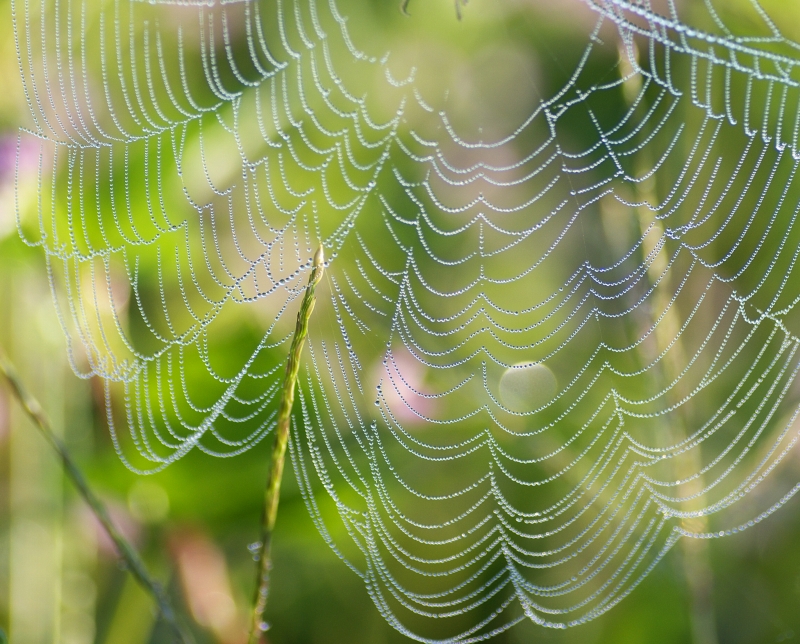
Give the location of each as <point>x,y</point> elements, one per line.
<point>541,356</point>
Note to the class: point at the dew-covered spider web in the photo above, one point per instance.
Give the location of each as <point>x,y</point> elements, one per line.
<point>558,330</point>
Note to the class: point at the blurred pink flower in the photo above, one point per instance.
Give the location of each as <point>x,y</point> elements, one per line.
<point>403,388</point>
<point>207,587</point>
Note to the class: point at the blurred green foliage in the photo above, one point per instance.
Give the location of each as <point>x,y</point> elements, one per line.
<point>59,580</point>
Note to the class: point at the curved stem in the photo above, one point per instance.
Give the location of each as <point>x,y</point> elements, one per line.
<point>273,489</point>
<point>125,549</point>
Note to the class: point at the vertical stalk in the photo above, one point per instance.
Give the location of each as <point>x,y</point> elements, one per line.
<point>697,568</point>
<point>273,489</point>
<point>126,551</point>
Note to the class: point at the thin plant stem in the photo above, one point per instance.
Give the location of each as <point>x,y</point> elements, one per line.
<point>125,549</point>
<point>273,489</point>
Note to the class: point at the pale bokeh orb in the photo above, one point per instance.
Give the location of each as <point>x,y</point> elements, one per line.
<point>525,386</point>
<point>148,502</point>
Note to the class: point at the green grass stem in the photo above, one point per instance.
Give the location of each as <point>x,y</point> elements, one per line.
<point>125,549</point>
<point>273,490</point>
